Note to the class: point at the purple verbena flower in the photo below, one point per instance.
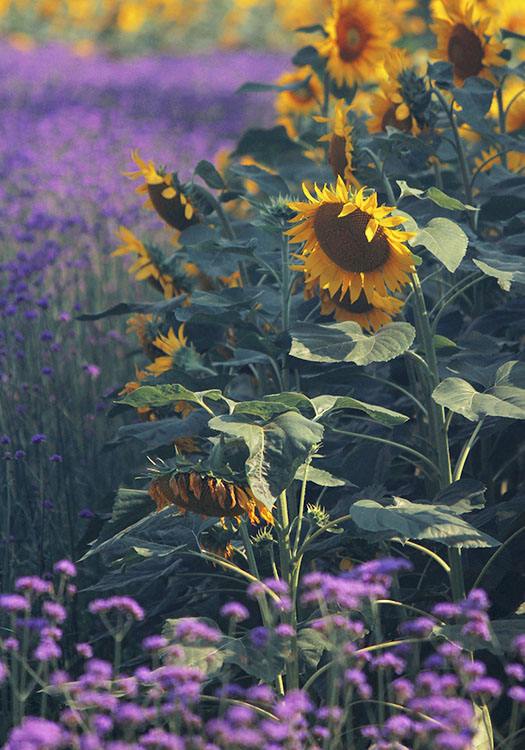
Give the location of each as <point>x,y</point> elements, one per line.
<point>235,610</point>
<point>14,603</point>
<point>65,568</point>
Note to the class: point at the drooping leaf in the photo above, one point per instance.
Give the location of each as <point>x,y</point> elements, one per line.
<point>267,146</point>
<point>200,653</point>
<point>161,431</point>
<point>276,449</point>
<point>435,195</point>
<point>209,174</point>
<point>311,643</point>
<point>326,404</point>
<point>163,395</point>
<point>404,520</point>
<point>507,269</point>
<point>320,477</point>
<point>445,240</point>
<point>345,342</point>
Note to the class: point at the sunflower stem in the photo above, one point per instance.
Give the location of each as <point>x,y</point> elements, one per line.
<point>384,179</point>
<point>285,304</point>
<point>438,424</point>
<point>288,574</point>
<point>254,570</point>
<point>502,121</point>
<point>460,151</point>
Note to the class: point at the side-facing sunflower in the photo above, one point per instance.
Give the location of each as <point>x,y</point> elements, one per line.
<point>147,265</point>
<point>358,36</point>
<point>171,345</point>
<point>465,37</point>
<point>207,494</point>
<point>405,101</point>
<point>145,327</point>
<point>165,194</point>
<point>341,146</point>
<point>300,101</point>
<point>350,244</point>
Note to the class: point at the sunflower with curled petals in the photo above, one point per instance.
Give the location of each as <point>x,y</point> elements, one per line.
<point>205,493</point>
<point>358,36</point>
<point>340,143</point>
<point>147,265</point>
<point>299,100</point>
<point>465,38</point>
<point>146,329</point>
<point>350,243</point>
<point>165,194</point>
<point>170,345</point>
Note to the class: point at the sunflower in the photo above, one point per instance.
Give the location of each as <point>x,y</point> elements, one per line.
<point>165,194</point>
<point>514,104</point>
<point>148,263</point>
<point>350,243</point>
<point>487,159</point>
<point>370,315</point>
<point>208,495</point>
<point>300,101</point>
<point>358,38</point>
<point>341,147</point>
<point>170,345</point>
<point>146,330</point>
<point>464,38</point>
<point>404,98</point>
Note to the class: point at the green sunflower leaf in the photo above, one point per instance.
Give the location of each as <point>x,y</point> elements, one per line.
<point>326,404</point>
<point>345,342</point>
<point>268,146</point>
<point>162,395</point>
<point>276,449</point>
<point>445,240</point>
<point>321,477</point>
<point>251,87</point>
<point>506,398</point>
<point>209,174</point>
<point>507,269</point>
<point>435,195</point>
<point>270,183</point>
<point>200,653</point>
<point>404,520</point>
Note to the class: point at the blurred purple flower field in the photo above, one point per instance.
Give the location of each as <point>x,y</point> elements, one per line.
<point>68,126</point>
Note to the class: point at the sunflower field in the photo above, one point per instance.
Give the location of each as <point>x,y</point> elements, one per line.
<point>262,375</point>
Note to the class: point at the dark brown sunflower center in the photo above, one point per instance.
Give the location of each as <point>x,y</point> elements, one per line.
<point>351,37</point>
<point>361,305</point>
<point>344,241</point>
<point>465,51</point>
<point>170,209</point>
<point>337,155</point>
<point>389,118</point>
<point>303,95</point>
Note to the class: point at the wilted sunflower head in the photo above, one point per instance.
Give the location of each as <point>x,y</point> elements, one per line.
<point>358,35</point>
<point>350,243</point>
<point>207,494</point>
<point>341,145</point>
<point>165,193</point>
<point>465,38</point>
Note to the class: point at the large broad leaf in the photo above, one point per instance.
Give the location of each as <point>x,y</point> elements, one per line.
<point>326,404</point>
<point>404,520</point>
<point>445,240</point>
<point>321,477</point>
<point>267,146</point>
<point>345,342</point>
<point>162,431</point>
<point>148,308</point>
<point>506,398</point>
<point>162,395</point>
<point>276,449</point>
<point>462,496</point>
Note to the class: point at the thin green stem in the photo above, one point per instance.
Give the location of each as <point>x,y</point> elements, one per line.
<point>501,120</point>
<point>458,470</point>
<point>430,553</point>
<point>445,301</point>
<point>384,179</point>
<point>495,555</point>
<point>300,511</point>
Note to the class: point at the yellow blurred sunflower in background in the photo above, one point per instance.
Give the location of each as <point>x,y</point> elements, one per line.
<point>358,36</point>
<point>390,106</point>
<point>465,38</point>
<point>170,344</point>
<point>350,244</point>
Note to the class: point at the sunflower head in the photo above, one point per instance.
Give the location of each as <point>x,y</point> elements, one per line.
<point>171,346</point>
<point>358,36</point>
<point>351,245</point>
<point>216,541</point>
<point>146,329</point>
<point>165,193</point>
<point>301,100</point>
<point>207,494</point>
<point>466,38</point>
<point>340,143</point>
<point>149,263</point>
<point>370,314</point>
